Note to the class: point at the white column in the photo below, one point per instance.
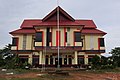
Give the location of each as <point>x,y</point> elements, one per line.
<point>86,59</point>
<point>30,59</point>
<point>76,60</point>
<point>40,57</point>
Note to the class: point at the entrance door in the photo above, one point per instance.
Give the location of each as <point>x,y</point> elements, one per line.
<point>35,61</point>
<point>56,62</point>
<point>80,59</point>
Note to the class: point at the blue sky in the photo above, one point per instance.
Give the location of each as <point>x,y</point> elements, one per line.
<point>105,13</point>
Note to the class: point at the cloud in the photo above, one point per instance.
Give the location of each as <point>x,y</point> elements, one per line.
<point>105,13</point>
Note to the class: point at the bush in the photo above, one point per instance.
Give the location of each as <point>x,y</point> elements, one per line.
<point>107,67</point>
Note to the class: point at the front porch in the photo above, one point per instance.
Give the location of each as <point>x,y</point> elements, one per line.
<point>67,58</point>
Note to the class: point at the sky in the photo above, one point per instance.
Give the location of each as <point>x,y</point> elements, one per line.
<point>105,14</point>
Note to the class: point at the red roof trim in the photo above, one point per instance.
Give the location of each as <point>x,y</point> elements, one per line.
<point>62,11</point>
<point>23,31</point>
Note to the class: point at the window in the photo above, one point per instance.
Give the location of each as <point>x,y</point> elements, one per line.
<point>38,37</point>
<point>46,60</point>
<point>24,41</point>
<point>51,60</point>
<point>65,36</point>
<point>23,59</point>
<point>77,36</point>
<point>69,59</point>
<point>81,59</point>
<point>50,37</point>
<point>14,41</point>
<point>101,41</point>
<point>90,58</point>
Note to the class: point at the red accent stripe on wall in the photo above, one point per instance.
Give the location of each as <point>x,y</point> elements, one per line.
<point>57,44</point>
<point>74,38</point>
<point>98,43</point>
<point>64,36</point>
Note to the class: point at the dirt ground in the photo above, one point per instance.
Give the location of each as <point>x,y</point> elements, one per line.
<point>72,76</point>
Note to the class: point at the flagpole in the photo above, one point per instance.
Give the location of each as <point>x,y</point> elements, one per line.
<point>58,66</point>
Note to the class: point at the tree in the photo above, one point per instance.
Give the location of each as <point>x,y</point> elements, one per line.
<point>116,56</point>
<point>7,58</point>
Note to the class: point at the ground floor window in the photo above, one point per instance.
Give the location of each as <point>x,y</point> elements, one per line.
<point>70,60</point>
<point>46,59</point>
<point>90,58</point>
<point>51,60</point>
<point>35,60</point>
<point>65,60</point>
<point>23,59</point>
<point>81,59</point>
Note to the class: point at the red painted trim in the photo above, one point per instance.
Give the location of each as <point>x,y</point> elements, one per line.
<point>64,36</point>
<point>98,43</point>
<point>57,44</point>
<point>74,38</point>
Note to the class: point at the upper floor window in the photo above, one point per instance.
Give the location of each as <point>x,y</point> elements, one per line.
<point>14,41</point>
<point>77,36</point>
<point>65,36</point>
<point>50,37</point>
<point>38,37</point>
<point>24,41</point>
<point>101,41</point>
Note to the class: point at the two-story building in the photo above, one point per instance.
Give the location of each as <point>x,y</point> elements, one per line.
<point>37,40</point>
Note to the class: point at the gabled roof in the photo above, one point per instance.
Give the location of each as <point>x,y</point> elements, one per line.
<point>62,14</point>
<point>51,21</point>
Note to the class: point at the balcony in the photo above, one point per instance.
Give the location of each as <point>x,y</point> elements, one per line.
<point>13,47</point>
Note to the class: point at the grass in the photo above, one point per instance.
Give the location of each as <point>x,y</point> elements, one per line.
<point>18,71</point>
<point>45,77</point>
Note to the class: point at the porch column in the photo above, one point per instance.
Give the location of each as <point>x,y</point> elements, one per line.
<point>40,57</point>
<point>86,59</point>
<point>30,59</point>
<point>76,59</point>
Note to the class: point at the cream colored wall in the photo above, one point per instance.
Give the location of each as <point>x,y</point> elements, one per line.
<point>20,42</point>
<point>87,43</point>
<point>62,36</point>
<point>71,36</point>
<point>54,36</point>
<point>29,42</point>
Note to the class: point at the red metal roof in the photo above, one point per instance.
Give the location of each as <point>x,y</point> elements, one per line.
<point>87,23</point>
<point>34,22</point>
<point>62,23</point>
<point>92,31</point>
<point>30,22</point>
<point>23,31</point>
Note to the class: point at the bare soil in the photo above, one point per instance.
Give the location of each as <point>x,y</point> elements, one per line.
<point>82,75</point>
